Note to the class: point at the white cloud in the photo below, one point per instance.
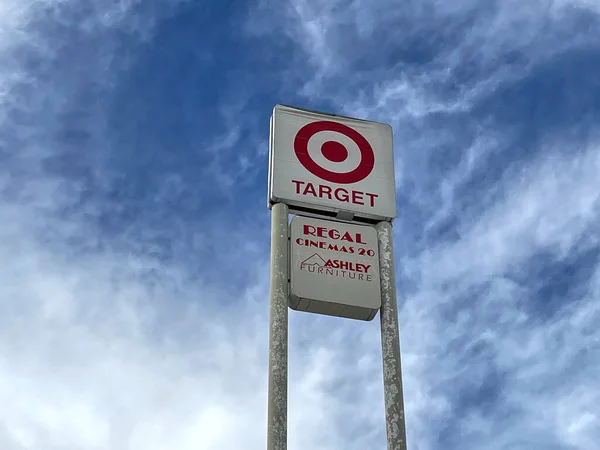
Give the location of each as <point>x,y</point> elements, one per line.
<point>112,349</point>
<point>551,205</point>
<point>484,45</point>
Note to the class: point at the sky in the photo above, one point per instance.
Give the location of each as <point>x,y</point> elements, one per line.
<point>134,232</point>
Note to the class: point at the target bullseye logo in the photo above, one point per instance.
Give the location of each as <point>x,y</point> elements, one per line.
<point>334,152</point>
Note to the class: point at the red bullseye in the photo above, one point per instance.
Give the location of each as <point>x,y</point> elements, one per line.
<point>334,151</point>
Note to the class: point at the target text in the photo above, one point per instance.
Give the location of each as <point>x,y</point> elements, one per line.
<point>339,193</point>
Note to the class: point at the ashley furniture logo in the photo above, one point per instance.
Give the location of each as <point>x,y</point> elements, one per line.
<point>336,268</point>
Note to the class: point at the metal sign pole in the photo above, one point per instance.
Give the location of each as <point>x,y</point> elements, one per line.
<point>390,342</point>
<point>278,330</point>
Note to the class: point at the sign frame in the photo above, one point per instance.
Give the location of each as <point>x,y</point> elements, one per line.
<point>345,200</point>
<point>350,286</point>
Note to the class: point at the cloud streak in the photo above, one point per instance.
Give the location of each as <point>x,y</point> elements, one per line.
<point>135,258</point>
<point>488,235</point>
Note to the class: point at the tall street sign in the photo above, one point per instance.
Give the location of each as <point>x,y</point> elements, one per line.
<point>333,165</point>
<point>336,258</point>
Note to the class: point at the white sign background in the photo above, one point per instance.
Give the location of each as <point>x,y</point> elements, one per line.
<point>292,183</point>
<point>350,291</point>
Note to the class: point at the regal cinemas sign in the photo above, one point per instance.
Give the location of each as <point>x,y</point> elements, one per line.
<point>332,239</point>
<point>334,262</point>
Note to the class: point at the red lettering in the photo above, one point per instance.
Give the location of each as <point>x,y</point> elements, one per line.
<point>347,237</point>
<point>324,190</point>
<point>334,234</point>
<point>362,267</point>
<point>298,184</point>
<point>333,247</point>
<point>309,230</point>
<point>310,189</point>
<point>357,197</point>
<point>330,193</point>
<point>346,265</point>
<point>300,241</point>
<point>342,195</point>
<point>372,197</point>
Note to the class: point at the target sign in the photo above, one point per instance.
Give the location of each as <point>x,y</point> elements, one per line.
<point>331,164</point>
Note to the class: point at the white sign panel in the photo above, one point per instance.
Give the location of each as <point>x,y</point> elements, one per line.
<point>331,164</point>
<point>334,268</point>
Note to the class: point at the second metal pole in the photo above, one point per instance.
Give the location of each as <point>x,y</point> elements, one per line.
<point>390,342</point>
<point>278,330</point>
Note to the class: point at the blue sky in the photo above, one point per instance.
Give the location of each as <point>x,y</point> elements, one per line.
<point>134,234</point>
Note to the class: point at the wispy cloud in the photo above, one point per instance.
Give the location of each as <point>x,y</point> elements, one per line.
<point>133,298</point>
<point>497,231</point>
